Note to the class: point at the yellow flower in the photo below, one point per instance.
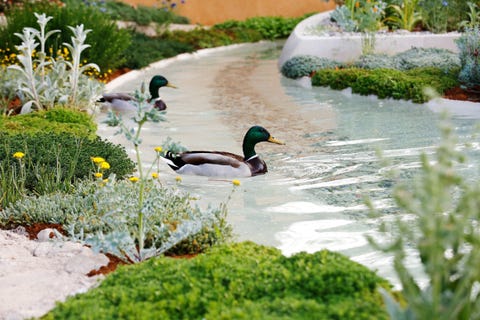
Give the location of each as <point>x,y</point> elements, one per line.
<point>158,149</point>
<point>18,155</point>
<point>104,165</point>
<point>133,179</point>
<point>236,182</point>
<point>98,175</point>
<point>178,179</point>
<point>97,160</point>
<point>155,175</point>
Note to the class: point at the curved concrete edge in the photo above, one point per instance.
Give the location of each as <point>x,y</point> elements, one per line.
<point>348,47</point>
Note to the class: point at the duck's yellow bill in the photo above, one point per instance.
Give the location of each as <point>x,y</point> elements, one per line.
<point>171,85</point>
<point>273,140</point>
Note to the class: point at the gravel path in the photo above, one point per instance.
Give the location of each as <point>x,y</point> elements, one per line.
<point>34,274</point>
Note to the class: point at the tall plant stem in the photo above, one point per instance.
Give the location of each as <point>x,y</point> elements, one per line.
<point>140,193</point>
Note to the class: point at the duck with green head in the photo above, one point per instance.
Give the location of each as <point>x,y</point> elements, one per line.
<point>224,164</point>
<point>124,101</point>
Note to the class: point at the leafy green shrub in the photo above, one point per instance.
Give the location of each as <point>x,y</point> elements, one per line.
<point>142,15</point>
<point>200,38</point>
<point>144,50</point>
<point>59,159</point>
<point>56,120</point>
<point>337,79</point>
<point>438,218</point>
<point>305,65</point>
<point>270,28</point>
<point>408,85</point>
<point>238,281</point>
<point>469,47</point>
<point>107,41</point>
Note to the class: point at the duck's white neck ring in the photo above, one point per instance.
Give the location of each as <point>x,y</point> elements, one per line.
<point>252,157</point>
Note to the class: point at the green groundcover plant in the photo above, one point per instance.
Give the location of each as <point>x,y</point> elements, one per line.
<point>388,83</point>
<point>237,281</point>
<point>53,162</point>
<point>57,120</point>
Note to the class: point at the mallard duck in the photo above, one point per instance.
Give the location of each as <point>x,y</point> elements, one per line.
<point>224,164</point>
<point>123,101</point>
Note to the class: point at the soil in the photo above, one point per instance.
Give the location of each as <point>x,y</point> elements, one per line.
<point>457,93</point>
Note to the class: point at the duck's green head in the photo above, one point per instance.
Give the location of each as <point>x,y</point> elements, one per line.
<point>253,136</point>
<point>156,83</point>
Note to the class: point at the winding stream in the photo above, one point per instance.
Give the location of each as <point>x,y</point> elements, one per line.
<point>312,196</point>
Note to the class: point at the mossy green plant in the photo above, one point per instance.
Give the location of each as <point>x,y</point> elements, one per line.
<point>236,281</point>
<point>388,83</point>
<point>57,120</point>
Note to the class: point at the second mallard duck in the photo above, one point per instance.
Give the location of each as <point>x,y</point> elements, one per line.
<point>224,164</point>
<point>124,101</point>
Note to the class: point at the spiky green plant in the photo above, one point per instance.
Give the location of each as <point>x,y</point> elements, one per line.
<point>405,16</point>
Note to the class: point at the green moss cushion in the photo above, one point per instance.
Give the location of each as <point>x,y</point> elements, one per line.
<point>239,281</point>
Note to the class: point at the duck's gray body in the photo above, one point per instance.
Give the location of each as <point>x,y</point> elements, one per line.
<point>215,164</point>
<point>224,164</point>
<point>126,102</point>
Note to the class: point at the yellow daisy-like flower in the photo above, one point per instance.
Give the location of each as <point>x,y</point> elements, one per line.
<point>104,165</point>
<point>18,155</point>
<point>158,149</point>
<point>98,175</point>
<point>155,175</point>
<point>97,160</point>
<point>133,179</point>
<point>178,179</point>
<point>236,182</point>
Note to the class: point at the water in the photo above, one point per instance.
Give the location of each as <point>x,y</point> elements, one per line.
<point>312,196</point>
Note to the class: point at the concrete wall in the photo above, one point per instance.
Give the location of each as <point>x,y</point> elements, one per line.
<point>348,47</point>
<point>209,12</point>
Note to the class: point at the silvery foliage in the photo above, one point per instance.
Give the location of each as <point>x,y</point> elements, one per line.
<point>8,87</point>
<point>438,218</point>
<point>417,57</point>
<point>343,17</point>
<point>44,83</point>
<point>469,51</point>
<point>104,216</point>
<point>304,65</point>
<point>410,59</point>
